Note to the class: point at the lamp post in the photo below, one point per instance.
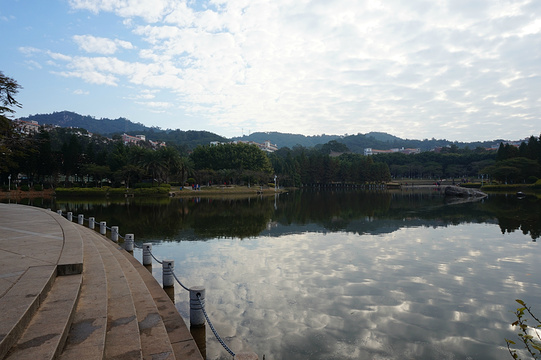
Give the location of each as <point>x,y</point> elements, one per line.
<point>275,177</point>
<point>9,182</point>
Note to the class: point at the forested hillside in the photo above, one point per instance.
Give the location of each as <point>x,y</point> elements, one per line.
<point>104,126</point>
<point>189,139</point>
<point>288,140</point>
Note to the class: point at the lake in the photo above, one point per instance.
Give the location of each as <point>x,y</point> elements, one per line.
<point>344,274</point>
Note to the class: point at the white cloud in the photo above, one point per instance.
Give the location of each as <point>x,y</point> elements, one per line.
<point>29,50</point>
<point>156,104</point>
<point>150,10</point>
<point>415,69</point>
<point>92,44</point>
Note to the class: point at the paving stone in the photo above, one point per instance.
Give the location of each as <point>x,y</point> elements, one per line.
<point>86,338</point>
<point>154,339</point>
<point>122,338</point>
<point>106,324</point>
<point>21,302</point>
<point>46,333</point>
<point>180,337</point>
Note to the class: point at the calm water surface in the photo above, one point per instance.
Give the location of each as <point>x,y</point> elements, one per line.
<point>345,275</point>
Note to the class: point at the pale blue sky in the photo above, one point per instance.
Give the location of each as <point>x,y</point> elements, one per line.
<point>454,69</point>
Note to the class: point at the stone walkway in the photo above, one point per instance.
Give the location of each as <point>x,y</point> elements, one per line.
<point>68,292</point>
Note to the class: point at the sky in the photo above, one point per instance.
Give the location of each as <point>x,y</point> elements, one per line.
<point>461,70</point>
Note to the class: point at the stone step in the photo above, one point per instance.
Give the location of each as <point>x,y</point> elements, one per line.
<point>71,257</point>
<point>154,339</point>
<point>122,338</point>
<point>180,337</point>
<point>46,333</point>
<point>86,339</point>
<point>21,302</point>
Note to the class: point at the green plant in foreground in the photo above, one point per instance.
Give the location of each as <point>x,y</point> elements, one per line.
<point>527,334</point>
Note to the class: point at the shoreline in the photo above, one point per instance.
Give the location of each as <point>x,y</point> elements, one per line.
<point>215,191</point>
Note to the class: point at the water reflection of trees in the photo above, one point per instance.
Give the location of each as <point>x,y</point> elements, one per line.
<point>517,214</point>
<point>165,218</point>
<point>353,211</point>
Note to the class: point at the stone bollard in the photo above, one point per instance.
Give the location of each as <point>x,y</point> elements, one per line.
<point>114,233</point>
<point>197,317</point>
<point>147,258</point>
<point>59,212</point>
<point>70,216</point>
<point>91,223</point>
<point>199,334</point>
<point>80,219</point>
<point>103,227</point>
<point>129,242</point>
<point>167,273</point>
<point>245,356</point>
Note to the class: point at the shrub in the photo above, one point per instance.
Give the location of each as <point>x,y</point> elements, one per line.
<point>25,188</point>
<point>470,185</point>
<point>38,187</point>
<point>531,179</point>
<point>142,185</point>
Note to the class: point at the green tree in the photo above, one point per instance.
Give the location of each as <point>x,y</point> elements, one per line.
<point>334,146</point>
<point>129,173</point>
<point>14,148</point>
<point>171,160</point>
<point>8,89</point>
<point>154,164</point>
<point>186,168</point>
<point>98,172</point>
<point>230,161</point>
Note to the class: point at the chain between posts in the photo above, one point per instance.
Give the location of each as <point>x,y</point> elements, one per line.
<point>176,278</point>
<point>202,308</point>
<point>154,257</point>
<point>212,327</point>
<point>220,340</point>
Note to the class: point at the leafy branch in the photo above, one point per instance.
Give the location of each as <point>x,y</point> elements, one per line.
<point>528,335</point>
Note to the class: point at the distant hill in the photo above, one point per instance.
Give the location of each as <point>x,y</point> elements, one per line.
<point>108,127</point>
<point>357,143</point>
<point>288,140</point>
<point>190,139</point>
<point>104,127</point>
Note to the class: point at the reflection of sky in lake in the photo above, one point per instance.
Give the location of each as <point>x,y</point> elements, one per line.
<point>416,293</point>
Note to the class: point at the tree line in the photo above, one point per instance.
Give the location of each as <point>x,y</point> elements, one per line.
<point>74,155</point>
<point>517,164</point>
<point>65,156</point>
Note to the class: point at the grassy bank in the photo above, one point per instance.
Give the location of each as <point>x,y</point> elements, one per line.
<point>108,191</point>
<point>221,190</point>
<point>165,190</point>
<point>512,188</point>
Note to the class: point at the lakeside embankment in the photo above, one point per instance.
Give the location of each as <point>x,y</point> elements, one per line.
<point>233,190</point>
<point>19,194</point>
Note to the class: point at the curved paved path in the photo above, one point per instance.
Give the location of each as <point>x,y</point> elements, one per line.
<point>67,292</point>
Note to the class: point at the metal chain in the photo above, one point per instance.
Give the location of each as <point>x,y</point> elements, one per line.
<point>213,329</point>
<point>154,257</point>
<point>176,278</point>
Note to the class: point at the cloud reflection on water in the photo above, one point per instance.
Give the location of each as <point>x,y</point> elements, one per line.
<point>414,293</point>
